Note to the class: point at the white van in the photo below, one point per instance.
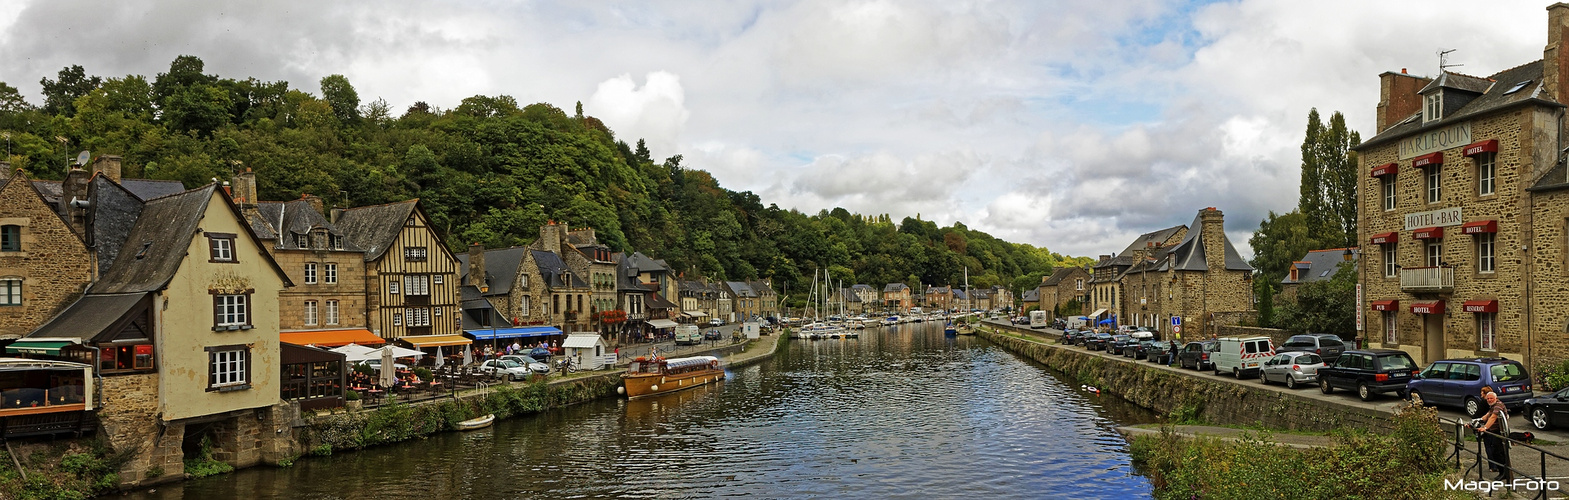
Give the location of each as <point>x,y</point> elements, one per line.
<point>688,335</point>
<point>1242,356</point>
<point>1038,319</point>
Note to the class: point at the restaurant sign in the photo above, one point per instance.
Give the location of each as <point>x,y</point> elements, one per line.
<point>1453,136</point>
<point>1434,218</point>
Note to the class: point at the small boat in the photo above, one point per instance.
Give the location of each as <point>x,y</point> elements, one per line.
<point>950,330</point>
<point>966,329</point>
<point>647,376</point>
<point>476,423</point>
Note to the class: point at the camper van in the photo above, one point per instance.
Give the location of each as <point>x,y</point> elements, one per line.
<point>1242,356</point>
<point>688,335</point>
<point>1038,320</point>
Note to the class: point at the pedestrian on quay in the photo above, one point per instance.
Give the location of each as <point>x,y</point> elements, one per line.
<point>1496,425</point>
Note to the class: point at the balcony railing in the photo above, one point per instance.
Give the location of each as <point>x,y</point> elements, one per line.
<point>1427,279</point>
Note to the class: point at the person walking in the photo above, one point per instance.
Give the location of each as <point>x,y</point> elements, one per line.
<point>1496,425</point>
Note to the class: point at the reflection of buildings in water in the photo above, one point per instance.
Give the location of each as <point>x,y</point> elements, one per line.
<point>658,407</point>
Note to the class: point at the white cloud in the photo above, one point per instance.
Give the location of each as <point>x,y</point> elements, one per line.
<point>655,112</point>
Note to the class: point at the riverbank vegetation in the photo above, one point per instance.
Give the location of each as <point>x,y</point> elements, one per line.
<point>489,170</point>
<point>66,469</point>
<point>1407,463</point>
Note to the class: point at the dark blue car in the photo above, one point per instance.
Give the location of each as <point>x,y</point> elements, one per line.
<point>1459,383</point>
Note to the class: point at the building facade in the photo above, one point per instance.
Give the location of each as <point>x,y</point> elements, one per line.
<point>411,279</point>
<point>44,265</point>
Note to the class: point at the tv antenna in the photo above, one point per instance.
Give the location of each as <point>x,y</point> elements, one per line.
<point>1443,60</point>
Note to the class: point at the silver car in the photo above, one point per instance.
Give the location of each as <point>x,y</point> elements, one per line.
<point>1291,368</point>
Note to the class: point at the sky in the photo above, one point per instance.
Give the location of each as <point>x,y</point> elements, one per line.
<point>1070,125</point>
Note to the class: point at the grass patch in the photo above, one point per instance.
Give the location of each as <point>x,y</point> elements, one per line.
<point>60,470</point>
<point>1257,428</point>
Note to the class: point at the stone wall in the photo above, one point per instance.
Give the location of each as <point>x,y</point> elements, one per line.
<point>129,421</point>
<point>53,263</point>
<point>1216,400</point>
<point>1276,335</point>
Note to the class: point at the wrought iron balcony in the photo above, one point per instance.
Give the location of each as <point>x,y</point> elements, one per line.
<point>1439,279</point>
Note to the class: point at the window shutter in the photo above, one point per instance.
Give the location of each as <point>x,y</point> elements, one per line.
<point>248,320</point>
<point>217,310</point>
<point>212,375</point>
<point>247,353</point>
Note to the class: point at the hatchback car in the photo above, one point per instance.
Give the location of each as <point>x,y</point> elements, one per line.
<point>1291,368</point>
<point>1547,412</point>
<point>1326,345</point>
<point>1121,342</point>
<point>532,364</point>
<point>1459,383</point>
<point>1196,355</point>
<point>1158,351</point>
<point>1098,342</point>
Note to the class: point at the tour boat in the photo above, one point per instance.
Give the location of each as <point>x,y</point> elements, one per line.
<point>476,423</point>
<point>647,376</point>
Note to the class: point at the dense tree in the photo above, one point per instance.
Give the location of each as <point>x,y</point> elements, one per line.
<point>1324,306</point>
<point>60,94</point>
<point>1329,180</point>
<point>338,93</point>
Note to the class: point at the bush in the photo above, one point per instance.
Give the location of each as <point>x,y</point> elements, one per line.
<point>424,373</point>
<point>1555,377</point>
<point>351,395</point>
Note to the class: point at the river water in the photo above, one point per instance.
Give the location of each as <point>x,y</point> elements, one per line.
<point>897,413</point>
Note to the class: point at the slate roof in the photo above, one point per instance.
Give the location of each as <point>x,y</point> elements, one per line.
<point>1320,265</point>
<point>741,289</point>
<point>159,240</point>
<point>282,220</point>
<point>1189,254</point>
<point>626,276</point>
<point>644,264</point>
<point>476,307</point>
<point>114,212</point>
<point>374,228</point>
<point>1451,80</point>
<point>848,295</point>
<point>761,288</point>
<point>895,287</point>
<point>657,301</point>
<point>501,269</point>
<point>1032,295</point>
<point>1057,276</point>
<point>861,287</point>
<point>1493,99</point>
<point>145,189</point>
<point>552,269</point>
<point>960,295</point>
<point>1143,241</point>
<point>90,317</point>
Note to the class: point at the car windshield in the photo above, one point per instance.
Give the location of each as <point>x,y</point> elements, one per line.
<point>1507,372</point>
<point>1400,361</point>
<point>507,363</point>
<point>525,359</point>
<point>1299,343</point>
<point>1307,359</point>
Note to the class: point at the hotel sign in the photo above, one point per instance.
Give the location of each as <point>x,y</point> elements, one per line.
<point>1453,136</point>
<point>1434,218</point>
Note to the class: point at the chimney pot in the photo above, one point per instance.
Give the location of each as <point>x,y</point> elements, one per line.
<point>1402,71</point>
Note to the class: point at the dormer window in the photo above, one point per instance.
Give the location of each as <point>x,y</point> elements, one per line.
<point>1434,109</point>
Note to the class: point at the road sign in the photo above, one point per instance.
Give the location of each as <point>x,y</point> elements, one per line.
<point>1176,321</point>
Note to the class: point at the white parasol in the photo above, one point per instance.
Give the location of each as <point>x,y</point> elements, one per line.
<point>388,371</point>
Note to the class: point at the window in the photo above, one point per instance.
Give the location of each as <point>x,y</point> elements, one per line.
<point>397,319</point>
<point>1435,190</point>
<point>125,357</point>
<point>11,292</point>
<point>1389,328</point>
<point>332,312</point>
<point>221,247</point>
<point>310,273</point>
<point>1435,253</point>
<point>414,254</point>
<point>1389,261</point>
<point>416,285</point>
<point>329,273</point>
<point>1435,107</point>
<point>231,312</point>
<point>392,287</point>
<point>1485,322</point>
<point>523,281</point>
<point>1389,193</point>
<point>436,311</point>
<point>1485,172</point>
<point>10,238</point>
<point>523,306</point>
<point>436,278</point>
<point>1484,252</point>
<point>336,241</point>
<point>302,241</point>
<point>1079,284</point>
<point>228,368</point>
<point>419,317</point>
<point>310,312</point>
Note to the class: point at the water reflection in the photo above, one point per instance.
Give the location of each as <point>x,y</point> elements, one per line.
<point>897,413</point>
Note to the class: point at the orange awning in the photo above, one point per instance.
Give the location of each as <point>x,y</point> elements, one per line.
<point>332,338</point>
<point>418,341</point>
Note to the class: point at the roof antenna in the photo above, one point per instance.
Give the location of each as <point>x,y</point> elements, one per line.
<point>1443,59</point>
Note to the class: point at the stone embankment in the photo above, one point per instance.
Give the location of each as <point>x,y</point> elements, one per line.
<point>1186,393</point>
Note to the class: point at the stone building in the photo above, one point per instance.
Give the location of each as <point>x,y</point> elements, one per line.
<point>411,279</point>
<point>1464,209</point>
<point>1031,299</point>
<point>896,298</point>
<point>588,258</point>
<point>1063,286</point>
<point>44,265</point>
<point>1201,279</point>
<point>327,269</point>
<point>1106,296</point>
<point>939,297</point>
<point>868,296</point>
<point>565,296</point>
<point>1002,297</point>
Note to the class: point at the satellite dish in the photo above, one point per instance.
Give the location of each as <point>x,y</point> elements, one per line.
<point>82,157</point>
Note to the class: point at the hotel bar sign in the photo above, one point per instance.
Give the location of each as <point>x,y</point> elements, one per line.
<point>1433,218</point>
<point>1453,136</point>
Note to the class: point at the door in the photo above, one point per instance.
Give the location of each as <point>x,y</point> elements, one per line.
<point>1433,347</point>
<point>1432,383</point>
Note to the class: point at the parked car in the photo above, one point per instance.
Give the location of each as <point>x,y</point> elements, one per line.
<point>541,354</point>
<point>716,322</point>
<point>1291,368</point>
<point>1326,345</point>
<point>712,335</point>
<point>1068,336</point>
<point>1459,383</point>
<point>529,362</point>
<point>1196,355</point>
<point>1098,342</point>
<point>1121,342</point>
<point>1241,356</point>
<point>1547,412</point>
<point>1138,351</point>
<point>1369,372</point>
<point>1157,351</point>
<point>505,368</point>
<point>1142,333</point>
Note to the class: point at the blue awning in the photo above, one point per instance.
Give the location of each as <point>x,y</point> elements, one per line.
<point>509,333</point>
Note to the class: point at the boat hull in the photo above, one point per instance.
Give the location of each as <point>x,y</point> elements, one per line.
<point>476,423</point>
<point>652,384</point>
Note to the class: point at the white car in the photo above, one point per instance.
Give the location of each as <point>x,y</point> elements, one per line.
<point>715,322</point>
<point>528,361</point>
<point>505,368</point>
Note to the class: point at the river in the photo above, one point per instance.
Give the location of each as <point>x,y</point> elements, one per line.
<point>897,413</point>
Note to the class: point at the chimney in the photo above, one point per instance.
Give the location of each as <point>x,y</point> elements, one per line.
<point>477,267</point>
<point>550,237</point>
<point>244,186</point>
<point>1555,61</point>
<point>315,203</point>
<point>333,216</point>
<point>1397,97</point>
<point>5,170</point>
<point>109,166</point>
<point>1213,236</point>
<point>72,189</point>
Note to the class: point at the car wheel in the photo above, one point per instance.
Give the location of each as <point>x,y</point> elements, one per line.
<point>1216,368</point>
<point>1323,386</point>
<point>1473,407</point>
<point>1539,418</point>
<point>1237,373</point>
<point>1415,397</point>
<point>1264,379</point>
<point>1363,392</point>
<point>1291,382</point>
